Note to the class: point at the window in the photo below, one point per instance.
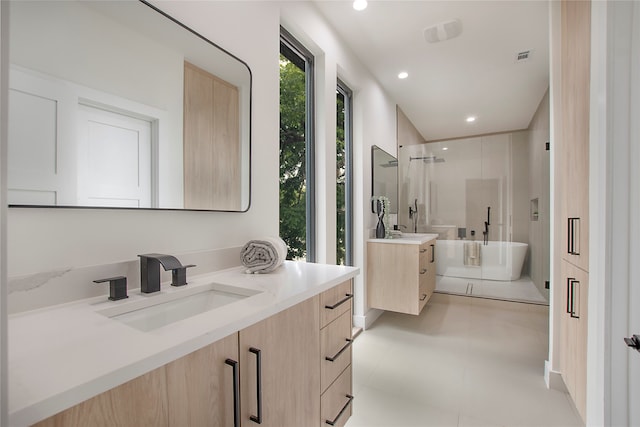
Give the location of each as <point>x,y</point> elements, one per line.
<point>344,178</point>
<point>297,195</point>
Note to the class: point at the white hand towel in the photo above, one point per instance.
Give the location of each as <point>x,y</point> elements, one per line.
<point>263,255</point>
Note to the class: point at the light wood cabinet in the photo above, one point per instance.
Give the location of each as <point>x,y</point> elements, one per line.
<point>400,276</point>
<point>200,386</point>
<point>574,160</point>
<point>280,368</point>
<point>280,376</point>
<point>572,180</point>
<point>573,327</point>
<point>211,141</point>
<point>141,402</point>
<point>335,350</point>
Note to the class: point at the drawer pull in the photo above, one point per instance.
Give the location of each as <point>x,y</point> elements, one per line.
<point>423,271</point>
<point>346,346</point>
<point>423,251</point>
<point>258,419</point>
<point>433,253</point>
<point>424,297</point>
<point>236,392</point>
<point>339,303</point>
<point>344,408</point>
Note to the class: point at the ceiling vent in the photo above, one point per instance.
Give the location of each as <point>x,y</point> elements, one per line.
<point>443,31</point>
<point>523,56</point>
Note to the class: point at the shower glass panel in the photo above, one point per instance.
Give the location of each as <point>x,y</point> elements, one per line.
<point>473,193</point>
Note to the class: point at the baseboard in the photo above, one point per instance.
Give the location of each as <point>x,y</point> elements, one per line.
<point>553,379</point>
<point>368,319</point>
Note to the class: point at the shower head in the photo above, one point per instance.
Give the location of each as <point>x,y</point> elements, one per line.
<point>428,159</point>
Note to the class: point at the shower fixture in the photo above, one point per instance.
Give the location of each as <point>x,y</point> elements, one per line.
<point>428,159</point>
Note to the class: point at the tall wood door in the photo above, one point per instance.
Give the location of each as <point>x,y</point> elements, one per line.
<point>211,141</point>
<point>200,386</point>
<point>575,79</point>
<point>286,348</point>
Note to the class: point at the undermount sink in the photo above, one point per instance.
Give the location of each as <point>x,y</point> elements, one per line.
<point>161,310</point>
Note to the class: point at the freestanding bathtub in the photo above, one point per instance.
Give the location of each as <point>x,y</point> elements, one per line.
<point>498,260</point>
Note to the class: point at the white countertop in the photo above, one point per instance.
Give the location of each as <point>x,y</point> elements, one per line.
<point>63,355</point>
<point>408,238</point>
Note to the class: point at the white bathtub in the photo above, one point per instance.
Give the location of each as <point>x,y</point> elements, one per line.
<point>498,260</point>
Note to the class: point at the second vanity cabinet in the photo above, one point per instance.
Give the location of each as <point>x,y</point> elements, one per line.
<point>272,373</point>
<point>401,274</point>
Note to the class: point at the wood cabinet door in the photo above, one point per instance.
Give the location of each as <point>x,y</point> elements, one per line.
<point>576,44</point>
<point>573,330</point>
<point>286,348</point>
<point>200,385</point>
<point>141,402</point>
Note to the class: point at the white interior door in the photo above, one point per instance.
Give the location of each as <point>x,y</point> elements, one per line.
<point>40,168</point>
<point>114,159</point>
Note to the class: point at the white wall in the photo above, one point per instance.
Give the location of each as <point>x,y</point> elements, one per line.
<point>48,239</point>
<point>374,121</point>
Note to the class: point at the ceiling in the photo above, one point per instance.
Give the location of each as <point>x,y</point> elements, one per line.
<point>475,73</point>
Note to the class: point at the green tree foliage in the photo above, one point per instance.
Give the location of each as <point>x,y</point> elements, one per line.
<point>292,159</point>
<point>340,182</point>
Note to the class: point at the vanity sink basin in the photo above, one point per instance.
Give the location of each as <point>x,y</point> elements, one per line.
<point>156,311</point>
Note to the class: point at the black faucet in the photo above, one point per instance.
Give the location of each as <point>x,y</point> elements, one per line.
<point>150,271</point>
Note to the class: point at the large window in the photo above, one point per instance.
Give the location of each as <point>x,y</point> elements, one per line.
<point>297,198</point>
<point>344,220</point>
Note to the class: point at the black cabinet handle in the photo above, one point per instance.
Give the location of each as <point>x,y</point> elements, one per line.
<point>344,408</point>
<point>424,297</point>
<point>339,303</point>
<point>433,253</point>
<point>571,297</point>
<point>258,419</point>
<point>574,282</point>
<point>236,392</point>
<point>423,271</point>
<point>573,227</point>
<point>423,251</point>
<point>346,346</point>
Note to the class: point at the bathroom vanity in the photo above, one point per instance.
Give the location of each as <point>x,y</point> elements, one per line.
<point>278,354</point>
<point>401,272</point>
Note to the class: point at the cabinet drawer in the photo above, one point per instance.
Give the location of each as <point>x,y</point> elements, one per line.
<point>335,406</point>
<point>335,302</point>
<point>424,257</point>
<point>335,344</point>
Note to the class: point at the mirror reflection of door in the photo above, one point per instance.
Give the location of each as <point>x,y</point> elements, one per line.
<point>114,159</point>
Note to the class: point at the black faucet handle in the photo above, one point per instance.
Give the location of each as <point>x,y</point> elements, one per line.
<point>179,275</point>
<point>117,287</point>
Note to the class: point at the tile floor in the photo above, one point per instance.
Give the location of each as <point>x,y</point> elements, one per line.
<point>463,362</point>
<point>522,289</point>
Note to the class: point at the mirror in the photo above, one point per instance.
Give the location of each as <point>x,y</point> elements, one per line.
<point>116,104</point>
<point>384,177</point>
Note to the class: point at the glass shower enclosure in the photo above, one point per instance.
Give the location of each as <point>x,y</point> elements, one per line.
<point>474,193</point>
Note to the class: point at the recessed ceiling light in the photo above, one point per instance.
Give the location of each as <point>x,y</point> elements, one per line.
<point>471,119</point>
<point>403,75</point>
<point>360,4</point>
<point>445,148</point>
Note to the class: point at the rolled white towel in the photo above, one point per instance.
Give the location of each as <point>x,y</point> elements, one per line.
<point>263,255</point>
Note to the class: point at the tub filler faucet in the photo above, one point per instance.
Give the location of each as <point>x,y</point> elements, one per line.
<point>413,215</point>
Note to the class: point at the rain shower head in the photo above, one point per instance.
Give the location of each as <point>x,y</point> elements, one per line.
<point>428,159</point>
